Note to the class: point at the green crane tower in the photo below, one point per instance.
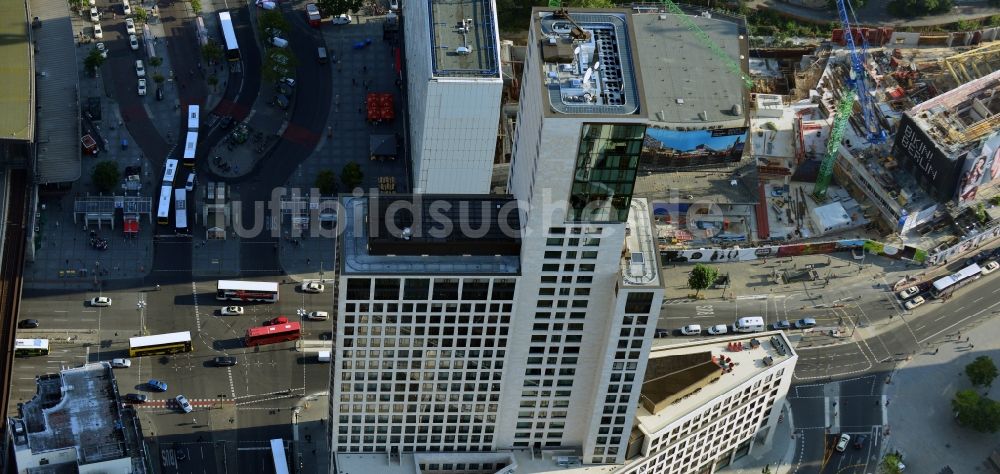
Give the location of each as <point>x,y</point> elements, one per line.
<point>844,108</point>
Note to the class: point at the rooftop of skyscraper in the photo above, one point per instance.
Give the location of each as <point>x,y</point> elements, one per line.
<point>464,38</point>
<point>427,233</point>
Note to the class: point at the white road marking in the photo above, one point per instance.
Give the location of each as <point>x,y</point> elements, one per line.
<point>197,314</point>
<point>977,299</point>
<point>60,311</point>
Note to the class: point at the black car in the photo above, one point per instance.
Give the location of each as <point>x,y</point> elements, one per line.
<point>28,324</point>
<point>135,398</point>
<point>859,441</point>
<point>225,361</point>
<point>159,93</point>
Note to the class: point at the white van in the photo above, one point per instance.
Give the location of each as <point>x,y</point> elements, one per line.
<point>749,324</point>
<point>323,356</point>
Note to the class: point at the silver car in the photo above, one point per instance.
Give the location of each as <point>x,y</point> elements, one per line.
<point>182,402</point>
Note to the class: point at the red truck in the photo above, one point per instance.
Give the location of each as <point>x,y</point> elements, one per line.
<point>312,12</point>
<point>89,144</point>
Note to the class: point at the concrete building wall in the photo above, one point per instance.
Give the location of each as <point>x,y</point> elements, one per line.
<point>418,69</point>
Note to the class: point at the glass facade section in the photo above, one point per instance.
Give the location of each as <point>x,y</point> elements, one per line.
<point>605,172</point>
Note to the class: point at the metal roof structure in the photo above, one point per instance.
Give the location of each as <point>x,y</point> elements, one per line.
<point>17,111</point>
<point>58,85</point>
<point>464,38</point>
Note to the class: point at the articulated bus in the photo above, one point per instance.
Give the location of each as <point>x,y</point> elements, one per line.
<point>235,290</point>
<point>31,347</point>
<point>180,210</point>
<point>163,209</point>
<point>229,34</point>
<point>170,172</point>
<point>160,344</point>
<point>194,120</point>
<point>272,334</point>
<point>278,456</point>
<point>944,286</point>
<point>190,148</point>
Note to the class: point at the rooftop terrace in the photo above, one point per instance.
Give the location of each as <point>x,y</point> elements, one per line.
<point>464,38</point>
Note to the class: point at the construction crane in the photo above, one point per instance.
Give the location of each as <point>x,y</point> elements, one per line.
<point>844,109</point>
<point>873,131</point>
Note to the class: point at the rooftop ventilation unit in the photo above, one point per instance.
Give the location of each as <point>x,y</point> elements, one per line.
<point>463,50</point>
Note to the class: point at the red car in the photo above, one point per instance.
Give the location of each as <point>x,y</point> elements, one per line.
<point>278,320</point>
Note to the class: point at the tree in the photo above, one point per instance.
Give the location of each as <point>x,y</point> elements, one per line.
<point>890,464</point>
<point>106,176</point>
<point>196,6</point>
<point>76,4</point>
<point>976,412</point>
<point>702,277</point>
<point>326,181</point>
<point>93,61</point>
<point>155,61</point>
<point>211,52</point>
<point>981,371</point>
<point>337,7</point>
<point>277,63</point>
<point>590,3</point>
<point>158,78</point>
<point>272,19</point>
<point>351,175</point>
<point>140,14</point>
<point>212,81</point>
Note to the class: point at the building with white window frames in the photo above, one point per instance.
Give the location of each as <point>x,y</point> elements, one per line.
<point>454,87</point>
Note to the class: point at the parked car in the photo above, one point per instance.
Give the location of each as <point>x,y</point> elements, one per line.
<point>783,324</point>
<point>135,398</point>
<point>182,402</point>
<point>288,81</point>
<point>101,301</point>
<point>342,19</point>
<point>130,26</point>
<point>126,8</point>
<point>140,69</point>
<point>121,363</point>
<point>142,87</point>
<point>914,302</point>
<point>805,323</point>
<point>102,49</point>
<point>393,5</point>
<point>278,320</point>
<point>94,15</point>
<point>313,287</point>
<point>159,93</point>
<point>232,311</point>
<point>318,316</point>
<point>660,332</point>
<point>842,442</point>
<point>224,361</point>
<point>157,385</point>
<point>990,267</point>
<point>98,32</point>
<point>691,330</point>
<point>859,441</point>
<point>718,329</point>
<point>133,42</point>
<point>28,324</point>
<point>907,293</point>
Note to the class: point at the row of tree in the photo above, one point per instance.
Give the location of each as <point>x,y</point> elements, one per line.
<point>973,410</point>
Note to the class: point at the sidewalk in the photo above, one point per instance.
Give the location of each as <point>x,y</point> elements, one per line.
<point>309,419</point>
<point>920,421</point>
<point>778,456</point>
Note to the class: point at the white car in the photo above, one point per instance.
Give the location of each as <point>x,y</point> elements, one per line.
<point>130,26</point>
<point>98,32</point>
<point>691,330</point>
<point>133,42</point>
<point>101,301</point>
<point>126,9</point>
<point>121,363</point>
<point>182,402</point>
<point>394,5</point>
<point>94,16</point>
<point>718,329</point>
<point>908,292</point>
<point>142,87</point>
<point>914,302</point>
<point>103,49</point>
<point>842,442</point>
<point>232,311</point>
<point>313,287</point>
<point>140,70</point>
<point>342,19</point>
<point>317,315</point>
<point>990,267</point>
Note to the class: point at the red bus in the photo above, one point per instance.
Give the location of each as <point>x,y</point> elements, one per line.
<point>272,334</point>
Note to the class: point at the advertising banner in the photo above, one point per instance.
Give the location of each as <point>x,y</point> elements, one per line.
<point>664,148</point>
<point>981,168</point>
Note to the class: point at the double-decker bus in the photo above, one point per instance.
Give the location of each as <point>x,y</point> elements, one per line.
<point>194,119</point>
<point>180,210</point>
<point>169,172</point>
<point>278,456</point>
<point>944,286</point>
<point>190,148</point>
<point>163,209</point>
<point>31,347</point>
<point>160,344</point>
<point>235,290</point>
<point>229,35</point>
<point>272,334</point>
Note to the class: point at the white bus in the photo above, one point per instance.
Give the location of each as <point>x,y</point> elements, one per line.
<point>235,290</point>
<point>946,285</point>
<point>160,344</point>
<point>229,35</point>
<point>193,118</point>
<point>31,347</point>
<point>278,455</point>
<point>190,147</point>
<point>180,210</point>
<point>163,210</point>
<point>170,172</point>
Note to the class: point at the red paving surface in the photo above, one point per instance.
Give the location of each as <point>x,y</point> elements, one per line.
<point>228,107</point>
<point>763,229</point>
<point>301,135</point>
